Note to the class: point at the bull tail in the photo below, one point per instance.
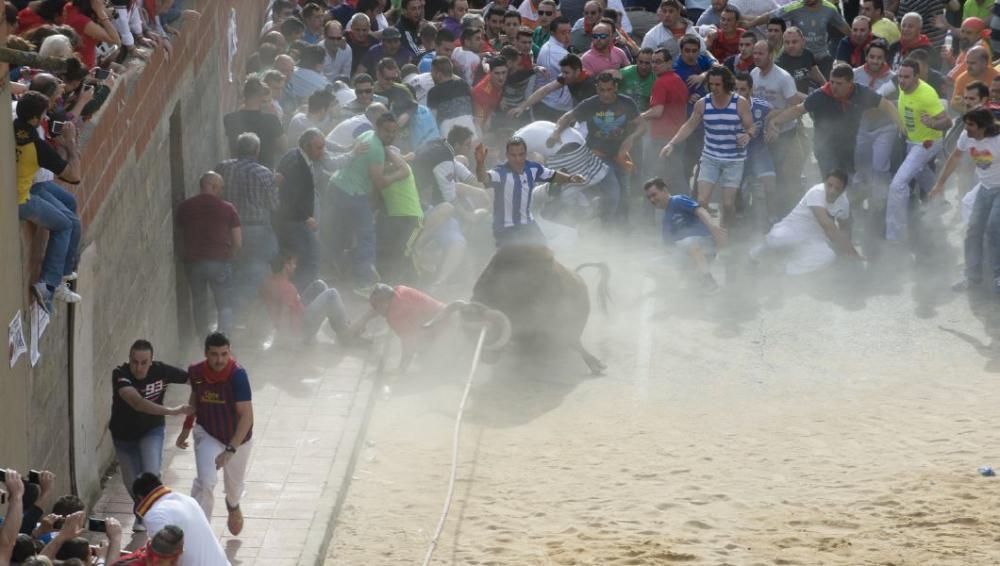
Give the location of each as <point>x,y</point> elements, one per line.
<point>603,292</point>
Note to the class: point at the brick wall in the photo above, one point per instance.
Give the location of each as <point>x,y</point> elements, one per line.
<point>159,131</point>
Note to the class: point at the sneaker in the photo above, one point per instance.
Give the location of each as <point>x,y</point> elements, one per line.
<point>42,296</point>
<point>710,286</point>
<point>364,292</point>
<point>964,285</point>
<point>137,526</point>
<point>62,293</point>
<point>71,277</point>
<point>235,520</point>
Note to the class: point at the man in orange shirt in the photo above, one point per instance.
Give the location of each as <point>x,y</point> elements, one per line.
<point>978,68</point>
<point>488,92</point>
<point>406,310</point>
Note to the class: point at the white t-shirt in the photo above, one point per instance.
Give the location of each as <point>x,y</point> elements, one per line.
<point>344,134</point>
<point>421,83</point>
<point>801,219</point>
<point>465,63</point>
<point>201,548</point>
<point>985,154</point>
<point>776,87</point>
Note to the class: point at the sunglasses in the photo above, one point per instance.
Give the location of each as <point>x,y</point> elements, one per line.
<point>546,13</point>
<point>364,91</point>
<point>599,35</point>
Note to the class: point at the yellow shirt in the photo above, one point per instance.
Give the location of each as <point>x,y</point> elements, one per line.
<point>923,101</point>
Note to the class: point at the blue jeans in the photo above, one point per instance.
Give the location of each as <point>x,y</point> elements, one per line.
<point>612,187</point>
<point>138,457</point>
<point>217,275</point>
<point>253,263</point>
<point>300,240</point>
<point>984,222</point>
<point>47,211</point>
<point>354,222</point>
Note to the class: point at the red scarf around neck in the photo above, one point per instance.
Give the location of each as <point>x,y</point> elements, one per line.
<point>844,101</point>
<point>858,51</point>
<point>213,376</point>
<point>906,46</point>
<point>875,76</point>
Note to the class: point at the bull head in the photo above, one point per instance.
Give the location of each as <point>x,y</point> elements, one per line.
<point>474,317</point>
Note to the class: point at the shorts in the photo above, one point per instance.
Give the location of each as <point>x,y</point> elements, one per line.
<point>759,162</point>
<point>706,243</point>
<point>727,174</point>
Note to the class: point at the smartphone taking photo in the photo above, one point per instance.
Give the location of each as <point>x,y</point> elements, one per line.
<point>97,525</point>
<point>56,127</point>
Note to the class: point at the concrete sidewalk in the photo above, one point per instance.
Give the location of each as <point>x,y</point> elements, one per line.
<point>309,412</point>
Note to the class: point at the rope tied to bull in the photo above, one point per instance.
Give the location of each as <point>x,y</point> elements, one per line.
<point>474,314</point>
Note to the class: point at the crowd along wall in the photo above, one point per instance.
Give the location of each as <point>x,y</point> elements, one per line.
<point>159,131</point>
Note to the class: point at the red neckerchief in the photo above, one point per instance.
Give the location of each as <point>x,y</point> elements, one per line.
<point>920,41</point>
<point>212,376</point>
<point>587,28</point>
<point>858,51</point>
<point>876,76</point>
<point>845,101</point>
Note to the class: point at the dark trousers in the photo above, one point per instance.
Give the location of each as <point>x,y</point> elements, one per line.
<point>394,236</point>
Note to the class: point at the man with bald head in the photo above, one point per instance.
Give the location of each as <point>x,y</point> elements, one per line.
<point>339,54</point>
<point>210,238</point>
<point>977,68</point>
<point>584,27</point>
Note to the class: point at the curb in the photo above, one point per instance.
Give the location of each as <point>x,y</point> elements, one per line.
<point>338,479</point>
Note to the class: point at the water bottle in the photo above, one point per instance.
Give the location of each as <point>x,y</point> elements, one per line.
<point>948,41</point>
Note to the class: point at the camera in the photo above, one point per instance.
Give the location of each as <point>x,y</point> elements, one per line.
<point>97,525</point>
<point>34,476</point>
<point>56,127</point>
<point>101,74</point>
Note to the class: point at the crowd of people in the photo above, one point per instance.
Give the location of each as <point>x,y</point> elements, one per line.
<point>380,147</point>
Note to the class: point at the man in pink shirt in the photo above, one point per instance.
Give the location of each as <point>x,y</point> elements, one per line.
<point>603,55</point>
<point>667,113</point>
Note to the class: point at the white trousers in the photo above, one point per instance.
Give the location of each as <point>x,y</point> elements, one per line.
<point>914,167</point>
<point>806,252</point>
<point>206,448</point>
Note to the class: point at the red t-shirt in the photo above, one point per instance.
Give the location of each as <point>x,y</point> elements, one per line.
<point>88,45</point>
<point>282,298</point>
<point>409,310</point>
<point>670,91</point>
<point>28,20</point>
<point>485,98</point>
<point>206,223</point>
<point>724,45</point>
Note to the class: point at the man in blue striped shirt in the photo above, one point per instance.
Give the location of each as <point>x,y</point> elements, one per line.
<point>512,183</point>
<point>728,129</point>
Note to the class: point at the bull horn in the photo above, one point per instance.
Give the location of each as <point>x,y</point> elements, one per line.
<point>499,324</point>
<point>446,312</point>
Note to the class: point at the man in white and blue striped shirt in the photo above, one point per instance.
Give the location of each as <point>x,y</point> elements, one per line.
<point>728,129</point>
<point>512,183</point>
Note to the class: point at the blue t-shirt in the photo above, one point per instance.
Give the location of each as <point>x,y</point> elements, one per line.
<point>680,220</point>
<point>684,71</point>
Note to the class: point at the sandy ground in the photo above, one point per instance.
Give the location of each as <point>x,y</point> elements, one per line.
<point>838,419</point>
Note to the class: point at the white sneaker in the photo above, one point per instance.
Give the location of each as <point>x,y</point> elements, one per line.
<point>62,293</point>
<point>71,277</point>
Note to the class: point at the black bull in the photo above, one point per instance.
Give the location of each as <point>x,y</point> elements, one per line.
<point>547,303</point>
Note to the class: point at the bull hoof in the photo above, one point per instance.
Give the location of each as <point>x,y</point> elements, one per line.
<point>596,366</point>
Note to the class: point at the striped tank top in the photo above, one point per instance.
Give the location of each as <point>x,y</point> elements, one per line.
<point>722,125</point>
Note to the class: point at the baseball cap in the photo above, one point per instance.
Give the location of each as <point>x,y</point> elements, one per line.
<point>391,33</point>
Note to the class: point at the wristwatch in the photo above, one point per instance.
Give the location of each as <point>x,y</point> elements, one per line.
<point>231,449</point>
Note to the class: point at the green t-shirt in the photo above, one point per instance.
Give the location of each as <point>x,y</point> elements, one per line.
<point>922,101</point>
<point>636,88</point>
<point>354,179</point>
<point>973,9</point>
<point>401,198</point>
<point>538,39</point>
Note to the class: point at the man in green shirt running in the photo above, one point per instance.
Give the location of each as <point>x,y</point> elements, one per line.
<point>637,80</point>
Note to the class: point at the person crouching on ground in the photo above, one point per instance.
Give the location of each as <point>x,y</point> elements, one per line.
<point>406,310</point>
<point>299,318</point>
<point>689,227</point>
<point>815,231</point>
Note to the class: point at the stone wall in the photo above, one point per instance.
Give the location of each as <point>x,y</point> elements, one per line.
<point>160,129</point>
